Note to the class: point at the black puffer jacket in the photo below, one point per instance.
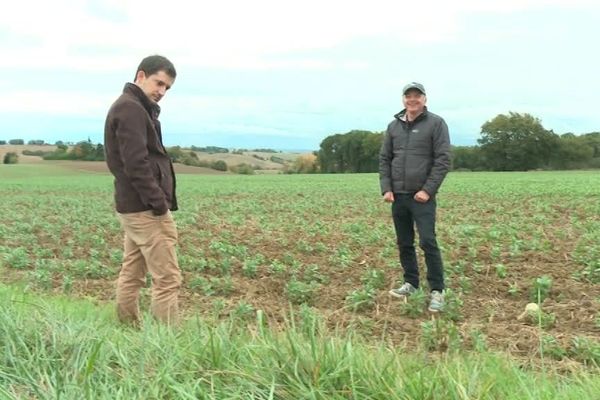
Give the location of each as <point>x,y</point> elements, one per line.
<point>414,155</point>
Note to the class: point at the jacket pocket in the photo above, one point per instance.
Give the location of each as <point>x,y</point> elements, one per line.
<point>157,172</point>
<point>165,180</point>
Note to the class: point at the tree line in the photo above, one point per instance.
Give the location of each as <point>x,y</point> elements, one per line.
<point>85,151</point>
<point>519,142</point>
<point>509,142</point>
<point>21,142</point>
<point>355,151</point>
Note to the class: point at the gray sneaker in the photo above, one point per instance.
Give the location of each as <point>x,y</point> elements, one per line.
<point>437,301</point>
<point>403,291</point>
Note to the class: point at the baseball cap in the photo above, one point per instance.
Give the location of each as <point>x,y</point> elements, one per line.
<point>414,85</point>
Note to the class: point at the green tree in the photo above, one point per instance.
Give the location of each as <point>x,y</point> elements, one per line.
<point>369,156</point>
<point>350,151</point>
<point>516,142</point>
<point>593,140</point>
<point>573,152</point>
<point>330,154</point>
<point>303,164</point>
<point>467,157</point>
<point>210,149</point>
<point>176,153</point>
<point>99,153</point>
<point>243,169</point>
<point>219,165</point>
<point>355,151</point>
<point>83,150</point>
<point>11,158</point>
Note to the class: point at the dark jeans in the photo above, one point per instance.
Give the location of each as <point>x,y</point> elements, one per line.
<point>407,212</point>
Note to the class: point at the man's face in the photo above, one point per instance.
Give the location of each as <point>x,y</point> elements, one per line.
<point>414,101</point>
<point>154,86</point>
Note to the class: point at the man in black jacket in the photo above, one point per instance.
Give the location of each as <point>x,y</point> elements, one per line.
<point>144,193</point>
<point>413,162</point>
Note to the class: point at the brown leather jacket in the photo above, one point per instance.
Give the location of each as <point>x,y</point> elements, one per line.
<point>143,171</point>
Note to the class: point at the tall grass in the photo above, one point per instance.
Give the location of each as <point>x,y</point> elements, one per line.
<point>57,348</point>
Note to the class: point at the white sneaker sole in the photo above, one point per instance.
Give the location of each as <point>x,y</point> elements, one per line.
<point>398,296</point>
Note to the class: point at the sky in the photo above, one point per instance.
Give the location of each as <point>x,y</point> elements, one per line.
<point>287,74</point>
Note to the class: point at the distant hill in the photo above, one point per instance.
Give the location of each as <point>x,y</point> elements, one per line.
<point>19,148</point>
<point>261,161</point>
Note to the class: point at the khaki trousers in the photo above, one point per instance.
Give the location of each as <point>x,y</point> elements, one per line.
<point>149,246</point>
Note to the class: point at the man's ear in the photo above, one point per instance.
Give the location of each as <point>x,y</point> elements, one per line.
<point>140,76</point>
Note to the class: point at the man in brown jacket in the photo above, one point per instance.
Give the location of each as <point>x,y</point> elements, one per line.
<point>144,193</point>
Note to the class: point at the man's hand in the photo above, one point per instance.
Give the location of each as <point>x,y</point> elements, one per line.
<point>161,211</point>
<point>388,197</point>
<point>421,196</point>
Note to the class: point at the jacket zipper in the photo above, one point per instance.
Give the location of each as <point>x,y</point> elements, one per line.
<point>408,126</point>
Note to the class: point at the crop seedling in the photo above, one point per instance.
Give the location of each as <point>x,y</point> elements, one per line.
<point>500,271</point>
<point>478,340</point>
<point>453,305</point>
<point>249,268</point>
<point>585,350</point>
<point>299,292</point>
<point>374,278</point>
<point>361,299</point>
<point>541,289</point>
<point>312,273</point>
<point>552,348</point>
<point>17,258</point>
<point>415,304</point>
<point>440,334</point>
<point>243,311</point>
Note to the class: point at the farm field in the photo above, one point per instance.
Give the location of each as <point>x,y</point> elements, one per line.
<point>324,245</point>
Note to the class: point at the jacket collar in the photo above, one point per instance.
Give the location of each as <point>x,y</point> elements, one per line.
<point>402,115</point>
<point>150,106</point>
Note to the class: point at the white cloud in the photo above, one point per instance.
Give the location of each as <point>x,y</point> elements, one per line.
<point>507,6</point>
<point>228,33</point>
<point>55,103</point>
<point>310,65</point>
<point>107,34</point>
<point>225,34</point>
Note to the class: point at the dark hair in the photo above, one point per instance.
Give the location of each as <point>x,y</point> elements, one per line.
<point>153,64</point>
